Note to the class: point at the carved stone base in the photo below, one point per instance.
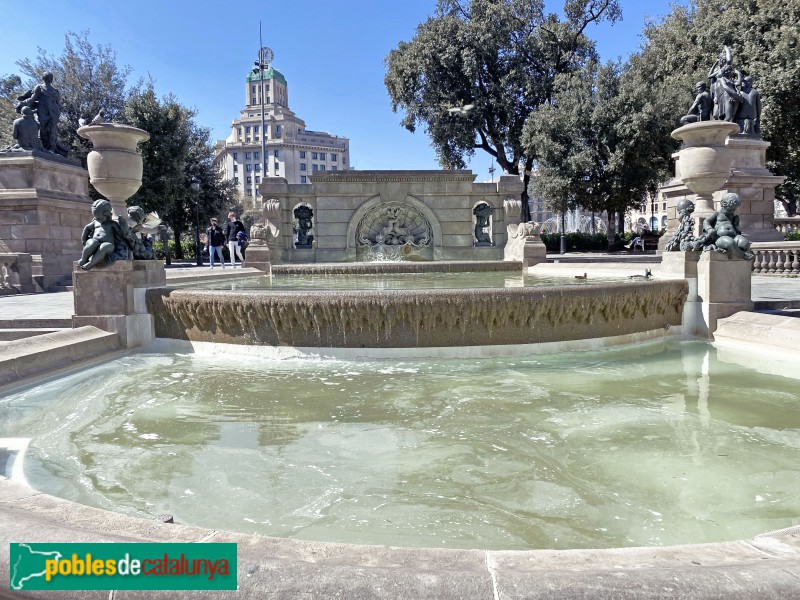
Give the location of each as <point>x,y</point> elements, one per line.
<point>723,286</point>
<point>111,297</point>
<point>258,257</point>
<point>44,205</point>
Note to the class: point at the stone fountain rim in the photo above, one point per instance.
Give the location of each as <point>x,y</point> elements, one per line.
<point>678,133</point>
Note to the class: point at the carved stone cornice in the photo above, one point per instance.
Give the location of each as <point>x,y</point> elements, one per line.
<point>392,176</point>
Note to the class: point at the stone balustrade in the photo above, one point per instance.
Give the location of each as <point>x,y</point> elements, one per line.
<point>781,258</point>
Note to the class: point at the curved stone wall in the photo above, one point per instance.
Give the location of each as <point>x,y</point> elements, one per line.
<point>417,318</point>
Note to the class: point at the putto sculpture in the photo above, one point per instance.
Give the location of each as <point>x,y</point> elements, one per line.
<point>303,214</point>
<point>683,239</point>
<point>107,239</point>
<point>482,213</point>
<point>731,97</point>
<point>721,230</point>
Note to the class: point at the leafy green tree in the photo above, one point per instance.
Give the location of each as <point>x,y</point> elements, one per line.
<point>177,151</point>
<point>499,57</point>
<point>10,88</point>
<point>764,36</point>
<point>88,78</point>
<point>598,143</point>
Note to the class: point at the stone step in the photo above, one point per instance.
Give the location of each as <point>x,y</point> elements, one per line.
<point>35,323</point>
<point>43,354</point>
<point>7,335</point>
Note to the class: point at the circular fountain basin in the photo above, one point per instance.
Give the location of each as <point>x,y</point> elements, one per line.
<point>657,444</point>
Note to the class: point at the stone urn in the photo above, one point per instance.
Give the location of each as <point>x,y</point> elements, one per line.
<point>704,161</point>
<point>115,167</point>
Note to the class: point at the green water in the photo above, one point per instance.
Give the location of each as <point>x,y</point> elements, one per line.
<point>651,445</point>
<point>393,281</point>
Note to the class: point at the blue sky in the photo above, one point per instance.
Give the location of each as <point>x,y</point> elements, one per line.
<point>331,54</point>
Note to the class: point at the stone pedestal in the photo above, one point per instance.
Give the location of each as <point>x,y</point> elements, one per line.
<point>44,205</point>
<point>684,265</point>
<point>748,177</point>
<point>111,297</point>
<point>258,257</point>
<point>524,245</point>
<point>723,286</point>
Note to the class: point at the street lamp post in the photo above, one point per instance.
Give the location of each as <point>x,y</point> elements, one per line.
<point>265,57</point>
<point>563,249</point>
<point>195,185</point>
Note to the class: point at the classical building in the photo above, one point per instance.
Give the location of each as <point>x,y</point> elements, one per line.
<point>290,150</point>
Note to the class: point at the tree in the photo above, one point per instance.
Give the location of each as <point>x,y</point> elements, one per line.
<point>88,78</point>
<point>501,58</point>
<point>598,143</point>
<point>763,35</point>
<point>10,88</point>
<point>177,151</point>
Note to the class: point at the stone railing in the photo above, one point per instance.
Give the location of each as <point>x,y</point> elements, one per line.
<point>787,224</point>
<point>781,258</point>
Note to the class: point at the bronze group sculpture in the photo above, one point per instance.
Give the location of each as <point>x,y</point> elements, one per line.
<point>40,133</point>
<point>731,97</point>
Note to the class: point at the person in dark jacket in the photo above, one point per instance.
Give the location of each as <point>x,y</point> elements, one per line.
<point>232,227</point>
<point>215,239</point>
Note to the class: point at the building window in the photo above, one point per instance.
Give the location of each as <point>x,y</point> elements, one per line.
<point>255,128</point>
<point>258,192</point>
<point>333,157</point>
<point>258,166</point>
<point>249,179</point>
<point>257,155</point>
<point>664,207</point>
<point>277,131</point>
<point>303,166</point>
<point>322,167</point>
<point>253,100</point>
<point>313,156</point>
<point>258,179</point>
<point>247,139</point>
<point>302,154</point>
<point>269,100</point>
<point>303,179</point>
<point>277,166</point>
<point>248,167</point>
<point>314,167</point>
<point>322,156</point>
<point>247,129</point>
<point>247,155</point>
<point>334,168</point>
<point>235,155</point>
<point>249,192</point>
<point>235,181</point>
<point>253,89</point>
<point>235,168</point>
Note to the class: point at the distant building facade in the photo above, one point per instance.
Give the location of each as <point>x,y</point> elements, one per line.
<point>291,151</point>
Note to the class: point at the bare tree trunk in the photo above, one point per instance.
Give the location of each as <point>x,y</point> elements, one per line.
<point>611,232</point>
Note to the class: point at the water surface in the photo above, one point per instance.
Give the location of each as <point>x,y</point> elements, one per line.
<point>656,444</point>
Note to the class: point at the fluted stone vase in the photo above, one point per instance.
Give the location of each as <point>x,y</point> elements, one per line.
<point>115,167</point>
<point>704,161</point>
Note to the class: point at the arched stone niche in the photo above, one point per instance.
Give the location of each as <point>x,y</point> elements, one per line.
<point>393,230</point>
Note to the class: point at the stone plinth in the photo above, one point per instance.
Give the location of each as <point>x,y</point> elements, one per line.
<point>723,286</point>
<point>683,265</point>
<point>44,205</point>
<point>258,257</point>
<point>111,297</point>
